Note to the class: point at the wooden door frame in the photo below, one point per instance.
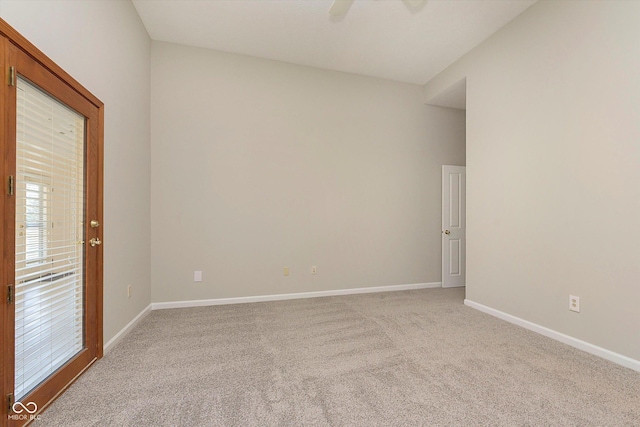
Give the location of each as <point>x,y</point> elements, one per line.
<point>10,40</point>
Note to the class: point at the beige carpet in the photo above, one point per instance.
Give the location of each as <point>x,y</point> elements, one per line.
<point>394,359</point>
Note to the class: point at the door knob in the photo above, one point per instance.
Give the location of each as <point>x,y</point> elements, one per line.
<point>447,232</point>
<point>94,223</point>
<point>95,242</point>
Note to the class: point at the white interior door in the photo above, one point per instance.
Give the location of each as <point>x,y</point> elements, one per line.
<point>453,226</point>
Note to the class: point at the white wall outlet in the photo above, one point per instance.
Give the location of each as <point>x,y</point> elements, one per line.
<point>286,271</point>
<point>314,269</point>
<point>129,291</point>
<point>197,276</point>
<point>574,303</point>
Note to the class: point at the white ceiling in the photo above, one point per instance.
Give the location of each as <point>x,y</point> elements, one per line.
<point>378,38</point>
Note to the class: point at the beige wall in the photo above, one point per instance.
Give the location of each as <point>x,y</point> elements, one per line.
<point>258,165</point>
<point>553,169</point>
<point>104,46</point>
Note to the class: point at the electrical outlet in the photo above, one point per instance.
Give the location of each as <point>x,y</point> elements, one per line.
<point>286,271</point>
<point>574,303</point>
<point>129,291</point>
<point>314,269</point>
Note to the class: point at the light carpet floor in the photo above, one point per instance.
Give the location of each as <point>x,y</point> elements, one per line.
<point>391,359</point>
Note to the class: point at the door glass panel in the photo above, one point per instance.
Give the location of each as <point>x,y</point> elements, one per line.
<point>49,233</point>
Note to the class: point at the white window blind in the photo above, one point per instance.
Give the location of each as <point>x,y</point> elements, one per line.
<point>49,233</point>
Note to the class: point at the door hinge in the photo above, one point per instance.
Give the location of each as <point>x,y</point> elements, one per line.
<point>12,76</point>
<point>11,185</point>
<point>10,402</point>
<point>10,294</point>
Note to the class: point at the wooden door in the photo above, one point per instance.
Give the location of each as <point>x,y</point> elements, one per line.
<point>51,142</point>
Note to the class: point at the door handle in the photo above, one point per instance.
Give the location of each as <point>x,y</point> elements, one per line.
<point>95,242</point>
<point>447,232</point>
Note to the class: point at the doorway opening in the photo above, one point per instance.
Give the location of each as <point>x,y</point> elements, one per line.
<point>453,197</point>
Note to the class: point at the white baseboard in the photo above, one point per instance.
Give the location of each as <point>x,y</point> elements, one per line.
<point>566,339</point>
<point>124,331</point>
<point>281,297</point>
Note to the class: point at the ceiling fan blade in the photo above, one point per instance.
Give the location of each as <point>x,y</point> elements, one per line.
<point>340,7</point>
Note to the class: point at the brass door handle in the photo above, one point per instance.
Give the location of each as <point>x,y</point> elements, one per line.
<point>95,242</point>
<point>447,232</point>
